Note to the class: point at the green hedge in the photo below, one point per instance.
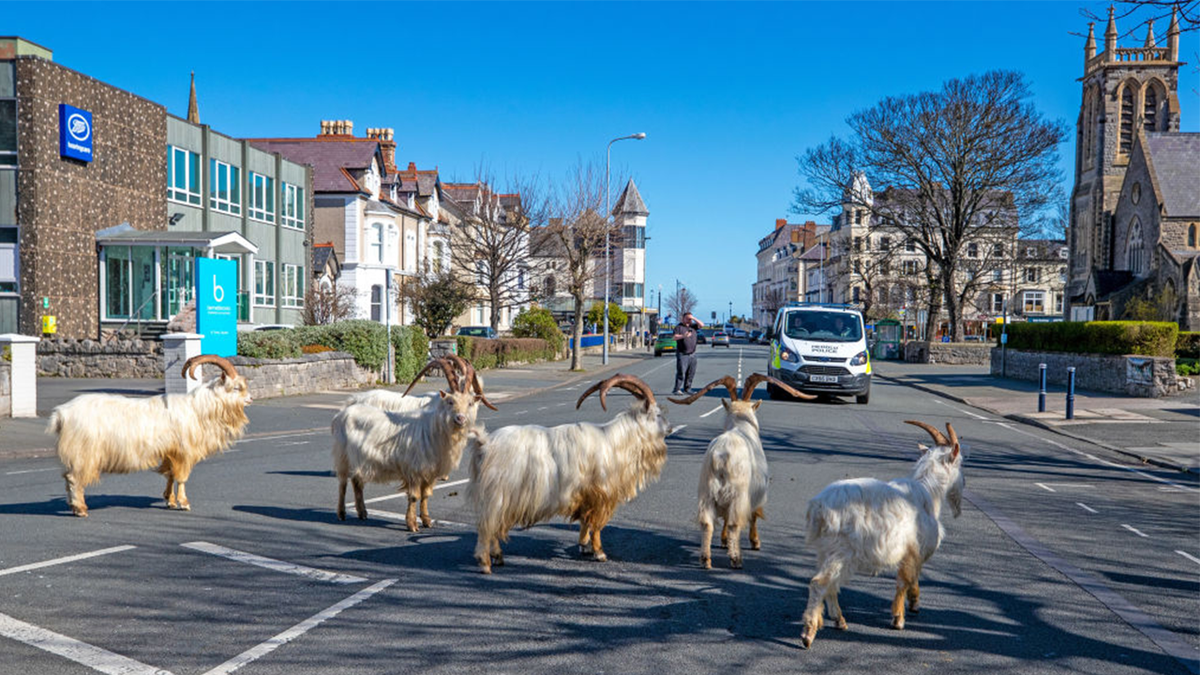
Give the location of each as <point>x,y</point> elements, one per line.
<point>1146,338</point>
<point>497,353</point>
<point>1187,345</point>
<point>365,340</point>
<point>539,323</point>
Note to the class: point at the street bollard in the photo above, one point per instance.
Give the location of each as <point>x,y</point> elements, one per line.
<point>1071,393</point>
<point>1042,390</point>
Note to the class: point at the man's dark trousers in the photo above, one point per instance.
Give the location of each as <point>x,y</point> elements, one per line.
<point>685,370</point>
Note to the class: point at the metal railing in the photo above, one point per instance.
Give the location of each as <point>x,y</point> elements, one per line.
<point>136,314</point>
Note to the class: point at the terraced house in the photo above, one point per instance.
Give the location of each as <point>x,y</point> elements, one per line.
<point>106,200</point>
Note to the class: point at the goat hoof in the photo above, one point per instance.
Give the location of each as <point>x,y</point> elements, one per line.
<point>427,523</point>
<point>914,610</point>
<point>841,624</point>
<point>185,507</point>
<point>601,557</point>
<point>341,517</point>
<point>735,563</point>
<point>807,637</point>
<point>80,513</point>
<point>898,622</point>
<point>485,569</point>
<point>362,516</point>
<point>706,563</point>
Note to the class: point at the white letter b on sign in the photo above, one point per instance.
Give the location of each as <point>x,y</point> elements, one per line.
<point>218,291</point>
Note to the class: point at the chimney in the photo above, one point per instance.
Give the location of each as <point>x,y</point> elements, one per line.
<point>780,222</point>
<point>386,145</point>
<point>337,128</point>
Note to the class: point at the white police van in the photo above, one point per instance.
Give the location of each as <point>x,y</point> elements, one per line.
<point>820,349</point>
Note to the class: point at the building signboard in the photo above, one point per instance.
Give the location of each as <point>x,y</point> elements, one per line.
<point>216,306</point>
<point>74,132</point>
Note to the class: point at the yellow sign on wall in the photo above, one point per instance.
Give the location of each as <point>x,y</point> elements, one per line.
<point>49,325</point>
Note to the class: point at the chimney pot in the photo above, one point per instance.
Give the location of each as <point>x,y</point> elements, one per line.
<point>780,222</point>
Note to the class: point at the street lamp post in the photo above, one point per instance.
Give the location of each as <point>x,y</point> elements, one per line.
<point>607,230</point>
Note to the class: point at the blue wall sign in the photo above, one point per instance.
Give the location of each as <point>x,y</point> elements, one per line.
<point>74,132</point>
<point>216,306</point>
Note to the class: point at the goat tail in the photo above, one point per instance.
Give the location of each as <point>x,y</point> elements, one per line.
<point>55,424</point>
<point>818,521</point>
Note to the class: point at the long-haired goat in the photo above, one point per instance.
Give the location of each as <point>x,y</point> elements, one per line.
<point>733,475</point>
<point>867,526</point>
<point>106,433</point>
<point>523,475</point>
<point>414,447</point>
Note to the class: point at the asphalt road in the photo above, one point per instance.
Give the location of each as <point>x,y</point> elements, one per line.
<point>1061,561</point>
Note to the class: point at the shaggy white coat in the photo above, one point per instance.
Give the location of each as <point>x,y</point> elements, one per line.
<point>106,433</point>
<point>415,447</point>
<point>733,482</point>
<point>868,526</point>
<point>392,401</point>
<point>523,475</point>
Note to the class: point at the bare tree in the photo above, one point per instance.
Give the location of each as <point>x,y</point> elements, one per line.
<point>1157,11</point>
<point>436,298</point>
<point>681,302</point>
<point>490,245</point>
<point>328,304</point>
<point>975,154</point>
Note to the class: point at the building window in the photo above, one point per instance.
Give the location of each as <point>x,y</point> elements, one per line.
<point>410,251</point>
<point>885,243</point>
<point>1126,130</point>
<point>262,197</point>
<point>293,285</point>
<point>972,250</point>
<point>857,244</point>
<point>997,303</point>
<point>548,285</point>
<point>1034,302</point>
<point>292,214</point>
<point>910,246</point>
<point>630,290</point>
<point>1136,253</point>
<point>375,244</point>
<point>224,187</point>
<point>885,268</point>
<point>998,250</point>
<point>1032,275</point>
<point>855,294</point>
<point>911,267</point>
<point>8,197</point>
<point>1150,108</point>
<point>858,217</point>
<point>997,276</point>
<point>8,127</point>
<point>1058,303</point>
<point>480,273</point>
<point>1192,235</point>
<point>857,266</point>
<point>264,283</point>
<point>521,279</point>
<point>634,236</point>
<point>437,257</point>
<point>183,179</point>
<point>377,303</point>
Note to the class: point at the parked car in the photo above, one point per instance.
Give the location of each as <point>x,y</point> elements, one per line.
<point>756,337</point>
<point>702,337</point>
<point>739,333</point>
<point>486,332</point>
<point>720,339</point>
<point>665,343</point>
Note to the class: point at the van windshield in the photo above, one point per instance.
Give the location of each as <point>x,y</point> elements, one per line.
<point>823,326</point>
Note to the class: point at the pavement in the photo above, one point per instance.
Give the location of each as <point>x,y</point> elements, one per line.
<point>26,437</point>
<point>1163,432</point>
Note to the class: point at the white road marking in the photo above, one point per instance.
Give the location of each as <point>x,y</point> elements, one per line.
<point>559,405</point>
<point>1045,487</point>
<point>543,407</point>
<point>273,564</point>
<point>70,648</point>
<point>284,445</point>
<point>520,412</point>
<point>677,429</point>
<point>324,406</point>
<point>402,494</point>
<point>1135,531</point>
<point>400,518</point>
<point>965,412</point>
<point>273,438</point>
<point>14,473</point>
<point>1099,460</point>
<point>1189,556</point>
<point>711,412</point>
<point>67,559</point>
<point>261,650</point>
<point>1085,507</point>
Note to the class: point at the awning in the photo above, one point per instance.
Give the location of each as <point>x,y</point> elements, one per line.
<point>224,243</point>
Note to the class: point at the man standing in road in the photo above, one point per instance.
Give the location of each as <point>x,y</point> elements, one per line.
<point>685,352</point>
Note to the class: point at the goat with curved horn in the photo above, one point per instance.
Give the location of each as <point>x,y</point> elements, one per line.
<point>758,378</point>
<point>728,381</point>
<point>227,369</point>
<point>447,368</point>
<point>629,383</point>
<point>938,437</point>
<point>470,378</point>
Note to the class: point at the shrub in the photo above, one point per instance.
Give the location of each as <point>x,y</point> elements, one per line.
<point>501,352</point>
<point>617,318</point>
<point>1187,367</point>
<point>412,351</point>
<point>314,349</point>
<point>1187,345</point>
<point>365,340</point>
<point>1146,338</point>
<point>539,323</point>
<point>273,344</point>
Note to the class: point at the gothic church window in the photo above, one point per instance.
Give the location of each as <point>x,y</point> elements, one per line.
<point>1127,111</point>
<point>1150,108</point>
<point>1135,251</point>
<point>1192,235</point>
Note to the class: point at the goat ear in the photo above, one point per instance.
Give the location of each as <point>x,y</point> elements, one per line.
<point>441,393</point>
<point>954,453</point>
<point>725,404</point>
<point>923,448</point>
<point>756,404</point>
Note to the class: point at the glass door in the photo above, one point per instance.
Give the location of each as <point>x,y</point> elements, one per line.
<point>142,270</point>
<point>116,277</point>
<point>180,275</point>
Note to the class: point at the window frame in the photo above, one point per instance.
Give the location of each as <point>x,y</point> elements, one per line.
<point>264,284</point>
<point>186,194</point>
<point>232,202</point>
<point>1033,302</point>
<point>291,211</point>
<point>263,212</point>
<point>293,286</point>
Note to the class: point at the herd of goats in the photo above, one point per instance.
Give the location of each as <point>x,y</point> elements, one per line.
<point>521,475</point>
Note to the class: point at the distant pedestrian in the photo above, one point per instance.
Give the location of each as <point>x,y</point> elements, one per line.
<point>685,352</point>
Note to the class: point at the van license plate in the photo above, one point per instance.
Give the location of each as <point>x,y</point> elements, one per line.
<point>823,378</point>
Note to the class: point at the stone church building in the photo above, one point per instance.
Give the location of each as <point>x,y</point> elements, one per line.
<point>1135,208</point>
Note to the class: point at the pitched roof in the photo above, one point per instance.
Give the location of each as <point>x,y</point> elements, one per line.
<point>630,201</point>
<point>1174,158</point>
<point>332,160</point>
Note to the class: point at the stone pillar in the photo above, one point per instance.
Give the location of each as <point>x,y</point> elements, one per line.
<point>24,373</point>
<point>177,349</point>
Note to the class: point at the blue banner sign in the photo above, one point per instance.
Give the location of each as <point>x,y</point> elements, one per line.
<point>74,132</point>
<point>216,306</point>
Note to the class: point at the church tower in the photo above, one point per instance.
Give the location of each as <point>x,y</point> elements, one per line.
<point>1125,91</point>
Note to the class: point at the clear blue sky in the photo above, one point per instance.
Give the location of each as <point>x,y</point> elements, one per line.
<point>728,94</point>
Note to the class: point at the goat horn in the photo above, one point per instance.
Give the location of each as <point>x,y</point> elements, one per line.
<point>629,383</point>
<point>728,381</point>
<point>756,379</point>
<point>953,436</point>
<point>470,379</point>
<point>938,437</point>
<point>447,368</point>
<point>227,369</point>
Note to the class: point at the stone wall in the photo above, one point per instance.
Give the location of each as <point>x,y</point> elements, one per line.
<point>1142,376</point>
<point>947,353</point>
<point>93,358</point>
<point>5,388</point>
<point>305,375</point>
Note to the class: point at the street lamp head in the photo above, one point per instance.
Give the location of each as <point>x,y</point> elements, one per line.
<point>639,135</point>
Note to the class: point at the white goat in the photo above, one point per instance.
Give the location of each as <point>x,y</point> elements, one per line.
<point>106,433</point>
<point>734,475</point>
<point>415,447</point>
<point>867,526</point>
<point>523,475</point>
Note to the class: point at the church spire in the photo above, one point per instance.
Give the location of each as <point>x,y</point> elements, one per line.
<point>1089,49</point>
<point>1173,35</point>
<point>193,109</point>
<point>1110,36</point>
<point>1150,35</point>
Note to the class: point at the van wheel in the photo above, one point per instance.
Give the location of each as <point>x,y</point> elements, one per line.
<point>863,398</point>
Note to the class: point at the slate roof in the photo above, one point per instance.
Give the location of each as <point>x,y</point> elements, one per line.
<point>1175,160</point>
<point>327,157</point>
<point>630,201</point>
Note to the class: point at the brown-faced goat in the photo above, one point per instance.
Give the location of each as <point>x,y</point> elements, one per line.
<point>733,475</point>
<point>415,447</point>
<point>867,526</point>
<point>106,433</point>
<point>524,475</point>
